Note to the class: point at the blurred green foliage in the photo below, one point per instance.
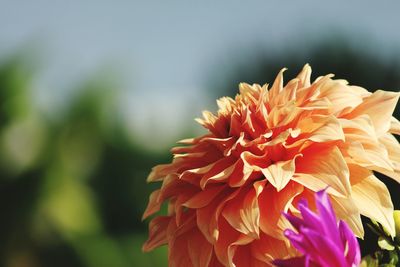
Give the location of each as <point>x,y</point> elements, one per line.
<point>72,189</point>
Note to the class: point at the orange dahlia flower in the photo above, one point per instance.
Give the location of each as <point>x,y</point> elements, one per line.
<point>265,150</point>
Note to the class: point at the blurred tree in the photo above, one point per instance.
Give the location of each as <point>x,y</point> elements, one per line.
<point>72,189</point>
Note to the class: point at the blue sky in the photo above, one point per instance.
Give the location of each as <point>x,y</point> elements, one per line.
<point>164,50</point>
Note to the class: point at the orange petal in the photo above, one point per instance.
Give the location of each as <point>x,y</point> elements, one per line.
<point>200,250</point>
<point>237,250</point>
<point>203,198</point>
<point>322,168</point>
<point>154,204</point>
<point>243,213</point>
<point>221,246</point>
<point>272,203</point>
<point>157,233</point>
<point>208,216</point>
<point>268,248</point>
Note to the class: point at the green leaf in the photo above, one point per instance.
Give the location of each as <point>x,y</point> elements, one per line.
<point>384,244</point>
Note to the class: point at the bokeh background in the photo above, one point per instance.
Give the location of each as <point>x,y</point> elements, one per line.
<point>94,93</point>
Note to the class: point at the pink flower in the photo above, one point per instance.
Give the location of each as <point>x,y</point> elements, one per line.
<point>320,238</point>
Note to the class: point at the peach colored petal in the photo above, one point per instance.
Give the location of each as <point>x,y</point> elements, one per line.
<point>342,99</point>
<point>394,126</point>
<point>371,156</point>
<point>304,76</point>
<point>317,171</point>
<point>372,197</point>
<point>379,106</point>
<point>280,173</point>
<point>321,128</point>
<point>393,148</point>
<point>347,210</point>
<point>277,86</point>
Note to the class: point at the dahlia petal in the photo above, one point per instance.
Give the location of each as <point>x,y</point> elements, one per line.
<point>394,126</point>
<point>238,246</point>
<point>208,216</point>
<point>372,198</point>
<point>342,99</point>
<point>277,86</point>
<point>268,248</point>
<point>379,106</point>
<point>322,128</point>
<point>178,253</point>
<point>200,250</point>
<point>359,91</point>
<point>203,198</point>
<point>154,204</point>
<point>323,169</point>
<point>281,138</point>
<point>225,247</point>
<point>244,258</point>
<point>289,94</point>
<point>157,233</point>
<point>359,127</point>
<point>347,210</point>
<point>393,148</point>
<point>219,170</point>
<point>214,262</point>
<point>304,76</point>
<point>280,173</point>
<point>243,213</point>
<point>308,94</point>
<point>160,171</point>
<point>282,116</point>
<point>272,203</point>
<point>322,106</point>
<point>373,157</point>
